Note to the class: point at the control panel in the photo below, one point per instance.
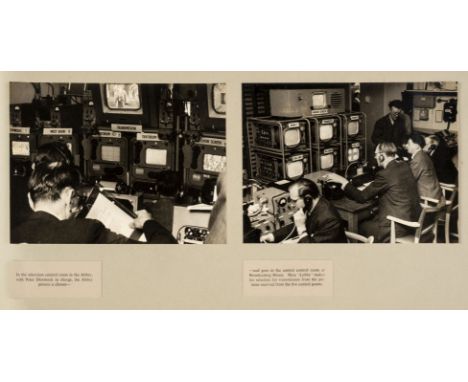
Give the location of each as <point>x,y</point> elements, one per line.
<point>271,210</point>
<point>192,235</point>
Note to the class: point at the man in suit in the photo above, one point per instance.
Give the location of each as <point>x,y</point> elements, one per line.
<point>391,127</point>
<point>316,220</point>
<point>422,168</point>
<point>52,198</point>
<point>396,189</point>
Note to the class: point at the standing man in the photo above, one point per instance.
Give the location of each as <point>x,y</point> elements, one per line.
<point>316,220</point>
<point>396,189</point>
<point>391,127</point>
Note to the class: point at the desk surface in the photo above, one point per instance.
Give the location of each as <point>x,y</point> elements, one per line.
<point>350,211</point>
<point>344,203</point>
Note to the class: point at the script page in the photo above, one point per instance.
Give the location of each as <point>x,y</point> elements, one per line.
<point>113,217</point>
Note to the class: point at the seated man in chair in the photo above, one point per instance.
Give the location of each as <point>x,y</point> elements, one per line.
<point>396,189</point>
<point>422,168</point>
<point>52,197</point>
<point>316,220</point>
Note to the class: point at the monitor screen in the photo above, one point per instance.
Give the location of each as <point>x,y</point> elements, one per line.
<point>353,127</point>
<point>326,132</point>
<point>214,163</point>
<point>319,101</point>
<point>20,148</point>
<point>353,154</point>
<point>294,169</point>
<point>292,137</point>
<point>156,157</point>
<point>219,98</point>
<point>123,96</point>
<point>327,161</point>
<point>110,153</point>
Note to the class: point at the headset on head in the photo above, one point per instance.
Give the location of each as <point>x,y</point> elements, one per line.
<point>305,194</point>
<point>63,155</point>
<point>388,150</point>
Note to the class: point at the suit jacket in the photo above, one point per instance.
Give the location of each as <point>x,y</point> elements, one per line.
<point>42,227</point>
<point>398,196</point>
<point>324,224</point>
<point>385,131</point>
<point>424,172</point>
<point>444,167</point>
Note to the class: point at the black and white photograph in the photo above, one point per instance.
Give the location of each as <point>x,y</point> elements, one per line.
<point>350,162</point>
<point>113,163</point>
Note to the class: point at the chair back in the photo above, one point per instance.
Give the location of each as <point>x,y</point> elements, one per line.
<point>450,193</point>
<point>427,222</point>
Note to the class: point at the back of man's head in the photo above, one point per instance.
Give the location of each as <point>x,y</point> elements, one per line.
<point>387,148</point>
<point>418,139</point>
<point>53,152</point>
<point>48,180</point>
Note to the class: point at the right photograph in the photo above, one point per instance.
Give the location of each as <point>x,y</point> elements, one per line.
<point>356,162</point>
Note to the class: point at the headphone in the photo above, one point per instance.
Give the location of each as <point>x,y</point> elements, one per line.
<point>63,155</point>
<point>305,194</point>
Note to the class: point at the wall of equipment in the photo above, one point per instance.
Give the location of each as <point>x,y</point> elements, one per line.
<point>144,137</point>
<point>290,132</point>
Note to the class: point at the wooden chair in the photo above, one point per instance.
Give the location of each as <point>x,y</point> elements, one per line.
<point>356,238</point>
<point>423,228</point>
<point>450,193</point>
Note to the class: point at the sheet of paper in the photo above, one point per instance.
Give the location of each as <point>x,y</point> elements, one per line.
<point>112,217</point>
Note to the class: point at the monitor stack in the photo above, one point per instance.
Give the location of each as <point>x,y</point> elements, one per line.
<point>326,142</point>
<point>353,132</point>
<point>280,147</point>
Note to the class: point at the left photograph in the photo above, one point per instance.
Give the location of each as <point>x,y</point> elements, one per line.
<point>117,163</point>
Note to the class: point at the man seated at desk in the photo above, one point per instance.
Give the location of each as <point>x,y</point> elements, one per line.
<point>396,189</point>
<point>52,188</point>
<point>422,168</point>
<point>316,220</point>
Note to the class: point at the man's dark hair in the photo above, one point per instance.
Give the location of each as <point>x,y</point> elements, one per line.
<point>54,152</point>
<point>396,103</point>
<point>418,139</point>
<point>308,187</point>
<point>48,180</point>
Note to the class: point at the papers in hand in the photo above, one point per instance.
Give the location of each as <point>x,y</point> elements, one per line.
<point>112,216</point>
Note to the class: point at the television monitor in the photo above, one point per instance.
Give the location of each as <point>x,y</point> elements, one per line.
<point>20,148</point>
<point>156,157</point>
<point>326,132</point>
<point>327,161</point>
<point>294,169</point>
<point>319,101</point>
<point>292,137</point>
<point>353,154</point>
<point>122,97</point>
<point>353,128</point>
<point>214,162</point>
<point>218,92</point>
<point>110,153</point>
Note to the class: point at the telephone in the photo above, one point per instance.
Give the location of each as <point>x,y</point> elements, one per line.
<point>450,111</point>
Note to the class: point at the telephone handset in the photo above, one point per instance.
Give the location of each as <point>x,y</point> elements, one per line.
<point>450,111</point>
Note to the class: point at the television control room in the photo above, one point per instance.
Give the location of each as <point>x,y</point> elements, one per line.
<point>350,162</point>
<point>117,163</point>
